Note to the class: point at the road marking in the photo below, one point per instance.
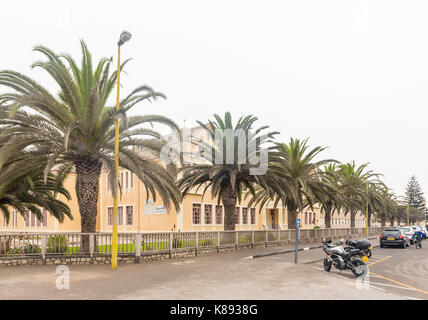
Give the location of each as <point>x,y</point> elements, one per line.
<point>400,283</point>
<point>317,268</point>
<point>390,285</point>
<point>373,263</point>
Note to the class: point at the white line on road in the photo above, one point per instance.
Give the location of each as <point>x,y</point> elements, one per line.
<point>390,285</point>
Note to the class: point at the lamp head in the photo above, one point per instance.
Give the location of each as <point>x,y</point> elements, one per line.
<point>124,37</point>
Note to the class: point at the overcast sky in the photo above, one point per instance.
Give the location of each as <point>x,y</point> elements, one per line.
<point>351,75</point>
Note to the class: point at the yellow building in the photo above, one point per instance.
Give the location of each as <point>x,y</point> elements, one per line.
<point>137,213</point>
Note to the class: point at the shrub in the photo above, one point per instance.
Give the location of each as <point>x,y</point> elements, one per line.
<point>27,248</point>
<point>57,244</point>
<point>316,227</point>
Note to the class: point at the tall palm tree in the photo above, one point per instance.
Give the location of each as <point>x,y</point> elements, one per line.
<point>76,128</point>
<point>330,197</point>
<point>297,181</point>
<point>377,200</point>
<point>390,211</point>
<point>353,186</point>
<point>228,179</point>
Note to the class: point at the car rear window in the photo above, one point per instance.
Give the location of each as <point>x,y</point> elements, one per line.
<point>391,233</point>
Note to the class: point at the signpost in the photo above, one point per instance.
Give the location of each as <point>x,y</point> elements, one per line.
<point>298,225</point>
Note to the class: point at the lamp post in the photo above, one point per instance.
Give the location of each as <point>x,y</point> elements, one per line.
<point>124,37</point>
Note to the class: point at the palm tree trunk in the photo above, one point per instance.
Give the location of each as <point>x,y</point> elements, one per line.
<point>88,172</point>
<point>383,220</point>
<point>327,218</point>
<point>291,215</point>
<point>229,203</point>
<point>353,215</point>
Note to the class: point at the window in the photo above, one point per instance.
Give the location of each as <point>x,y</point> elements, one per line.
<point>218,214</point>
<point>244,216</point>
<point>121,180</point>
<point>27,219</point>
<point>208,213</point>
<point>126,180</point>
<point>132,180</point>
<point>108,183</point>
<point>120,214</point>
<point>4,222</point>
<point>129,215</point>
<point>314,219</point>
<point>196,213</point>
<point>237,215</point>
<point>110,216</point>
<point>310,217</point>
<point>253,215</point>
<point>306,218</point>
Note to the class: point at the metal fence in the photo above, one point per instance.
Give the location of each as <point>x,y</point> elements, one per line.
<point>140,244</point>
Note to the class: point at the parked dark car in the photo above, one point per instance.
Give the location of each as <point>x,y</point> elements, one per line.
<point>393,237</point>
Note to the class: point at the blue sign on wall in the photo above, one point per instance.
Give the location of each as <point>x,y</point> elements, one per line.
<point>298,225</point>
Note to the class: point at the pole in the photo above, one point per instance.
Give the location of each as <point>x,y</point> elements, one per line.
<point>367,208</point>
<point>116,162</point>
<point>296,255</point>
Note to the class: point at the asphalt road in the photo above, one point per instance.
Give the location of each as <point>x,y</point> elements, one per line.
<point>392,270</point>
<point>394,274</point>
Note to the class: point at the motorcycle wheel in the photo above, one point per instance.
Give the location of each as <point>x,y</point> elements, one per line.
<point>368,253</point>
<point>327,265</point>
<point>360,268</point>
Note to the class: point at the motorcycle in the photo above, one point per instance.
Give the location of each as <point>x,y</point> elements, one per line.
<point>363,245</point>
<point>338,257</point>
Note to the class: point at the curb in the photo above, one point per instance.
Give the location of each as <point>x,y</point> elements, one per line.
<point>294,250</point>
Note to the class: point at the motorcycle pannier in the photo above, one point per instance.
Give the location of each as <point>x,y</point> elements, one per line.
<point>363,244</point>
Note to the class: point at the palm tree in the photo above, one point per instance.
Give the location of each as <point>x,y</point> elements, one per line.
<point>228,178</point>
<point>377,201</point>
<point>390,211</point>
<point>22,187</point>
<point>297,181</point>
<point>330,198</point>
<point>76,128</point>
<point>353,185</point>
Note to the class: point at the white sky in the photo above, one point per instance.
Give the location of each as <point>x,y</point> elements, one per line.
<point>351,75</point>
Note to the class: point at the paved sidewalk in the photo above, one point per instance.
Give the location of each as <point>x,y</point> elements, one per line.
<point>221,276</point>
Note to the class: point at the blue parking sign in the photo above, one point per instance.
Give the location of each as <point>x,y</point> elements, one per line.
<point>298,225</point>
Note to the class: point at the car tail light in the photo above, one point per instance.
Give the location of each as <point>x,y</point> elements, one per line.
<point>381,236</point>
<point>401,237</point>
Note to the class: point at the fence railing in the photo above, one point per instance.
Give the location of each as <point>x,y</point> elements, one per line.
<point>139,244</point>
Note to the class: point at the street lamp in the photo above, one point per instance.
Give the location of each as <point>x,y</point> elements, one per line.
<point>124,37</point>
